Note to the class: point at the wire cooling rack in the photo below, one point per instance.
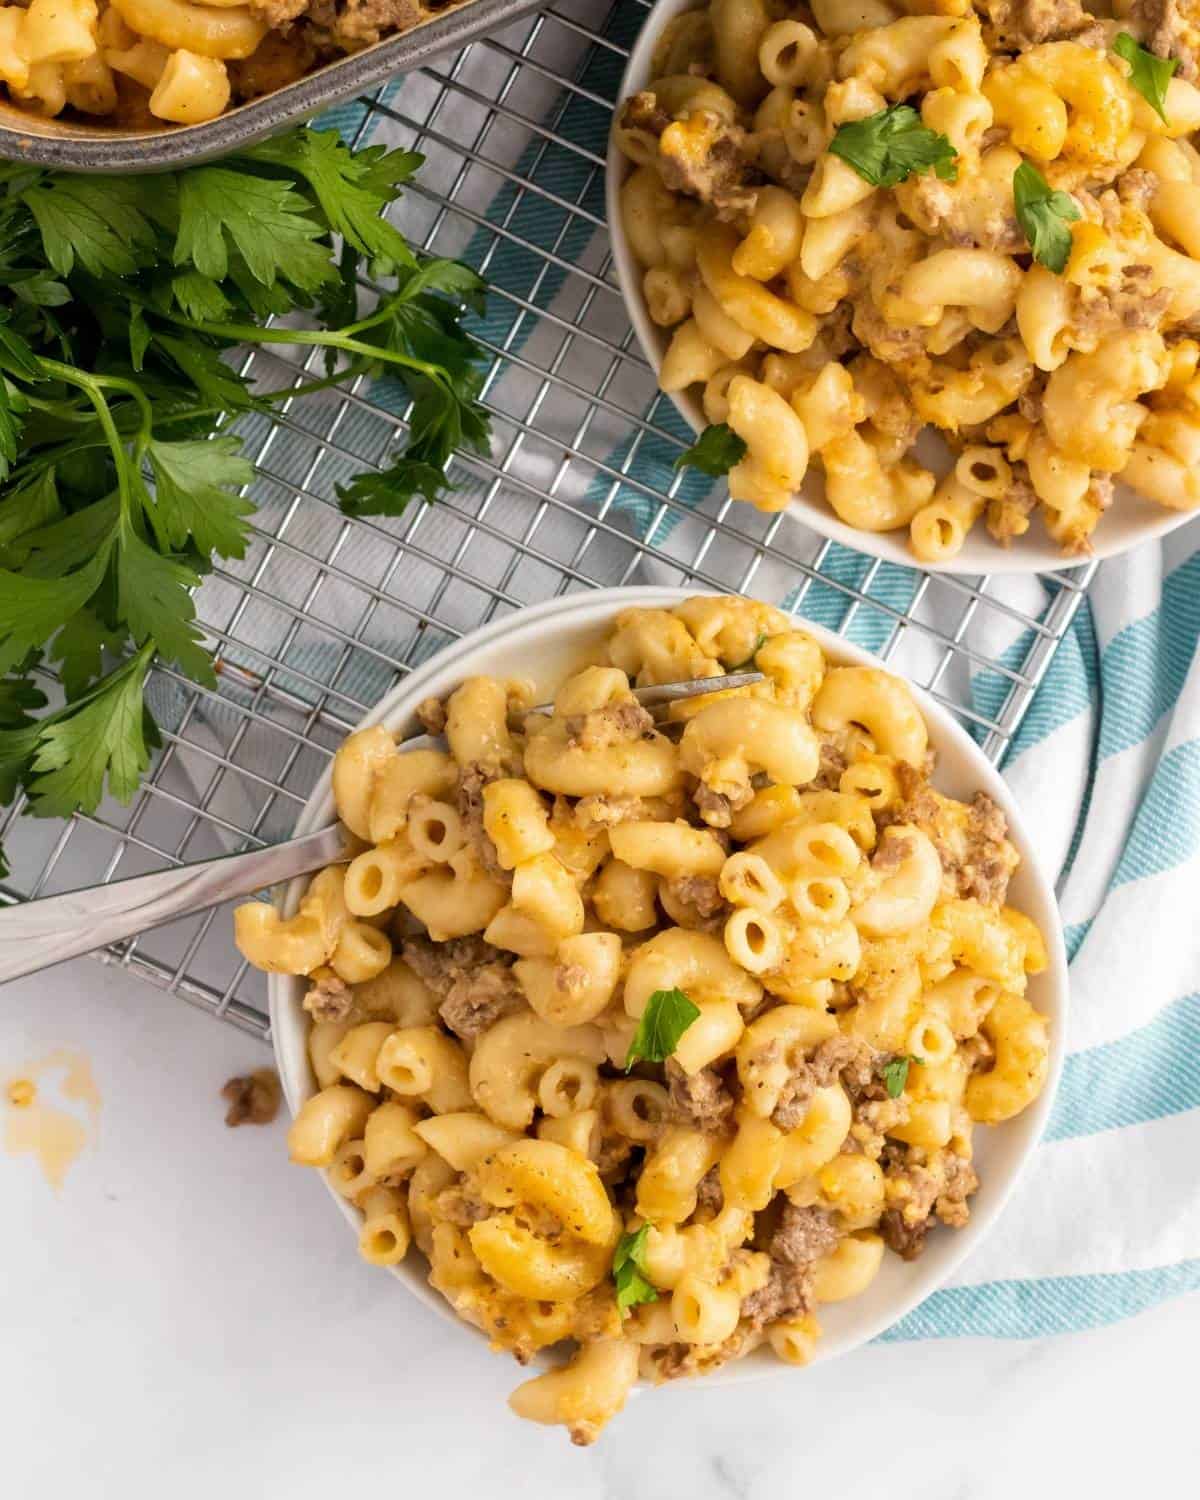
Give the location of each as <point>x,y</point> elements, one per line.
<point>325,614</point>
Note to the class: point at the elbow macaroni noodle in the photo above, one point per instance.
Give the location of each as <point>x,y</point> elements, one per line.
<point>843,921</point>
<point>829,321</point>
<point>133,62</point>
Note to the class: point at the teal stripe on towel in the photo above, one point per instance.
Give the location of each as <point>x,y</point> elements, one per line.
<point>826,605</point>
<point>1149,1074</point>
<point>1145,666</point>
<point>1048,1305</point>
<point>1166,831</point>
<point>1074,935</point>
<point>1067,689</point>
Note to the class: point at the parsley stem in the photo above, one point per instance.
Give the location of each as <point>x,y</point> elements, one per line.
<point>84,381</point>
<point>90,385</point>
<point>63,410</point>
<point>87,440</point>
<point>381,314</point>
<point>250,333</point>
<point>307,388</point>
<point>94,386</point>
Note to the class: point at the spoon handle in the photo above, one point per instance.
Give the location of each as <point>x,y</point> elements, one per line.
<point>36,934</point>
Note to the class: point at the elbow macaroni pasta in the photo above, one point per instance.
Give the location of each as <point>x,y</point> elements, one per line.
<point>473,1094</point>
<point>830,320</point>
<point>126,60</point>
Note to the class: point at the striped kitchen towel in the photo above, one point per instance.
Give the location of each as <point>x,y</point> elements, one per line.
<point>1106,765</point>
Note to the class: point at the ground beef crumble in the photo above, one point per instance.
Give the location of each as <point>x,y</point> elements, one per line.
<point>679,1361</point>
<point>1029,402</point>
<point>351,24</point>
<point>477,1001</point>
<point>253,1099</point>
<point>1008,514</point>
<point>803,1235</point>
<point>831,765</point>
<point>710,1196</point>
<point>339,25</point>
<point>330,999</point>
<point>787,1293</point>
<point>702,1099</point>
<point>459,1205</point>
<point>723,175</point>
<point>843,1057</point>
<point>941,209</point>
<point>927,1194</point>
<point>700,894</point>
<point>890,854</point>
<point>613,724</point>
<point>977,857</point>
<point>474,981</point>
<point>441,964</point>
<point>1135,188</point>
<point>717,808</point>
<point>1020,24</point>
<point>1169,32</point>
<point>471,781</point>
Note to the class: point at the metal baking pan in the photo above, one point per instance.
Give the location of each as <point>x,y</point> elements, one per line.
<point>90,148</point>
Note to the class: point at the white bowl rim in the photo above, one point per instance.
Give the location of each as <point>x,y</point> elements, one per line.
<point>590,609</point>
<point>1032,554</point>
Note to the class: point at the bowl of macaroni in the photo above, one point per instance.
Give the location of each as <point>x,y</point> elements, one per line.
<point>697,1044</point>
<point>934,279</point>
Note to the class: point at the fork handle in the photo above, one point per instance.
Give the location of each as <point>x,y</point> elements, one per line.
<point>36,934</point>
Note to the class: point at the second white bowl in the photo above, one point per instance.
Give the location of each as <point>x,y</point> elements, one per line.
<point>1129,522</point>
<point>545,643</point>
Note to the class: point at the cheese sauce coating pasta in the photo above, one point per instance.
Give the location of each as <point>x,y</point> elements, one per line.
<point>657,1037</point>
<point>141,64</point>
<point>1021,278</point>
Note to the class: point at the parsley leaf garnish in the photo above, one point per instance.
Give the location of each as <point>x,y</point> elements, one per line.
<point>121,300</point>
<point>667,1016</point>
<point>895,1075</point>
<point>714,452</point>
<point>107,734</point>
<point>79,649</point>
<point>1044,216</point>
<point>892,144</point>
<point>349,187</point>
<point>195,497</point>
<point>98,222</point>
<point>633,1285</point>
<point>265,221</point>
<point>18,696</point>
<point>32,608</point>
<point>1147,73</point>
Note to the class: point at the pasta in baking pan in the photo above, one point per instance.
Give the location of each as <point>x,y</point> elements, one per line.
<point>863,227</point>
<point>145,63</point>
<point>657,1036</point>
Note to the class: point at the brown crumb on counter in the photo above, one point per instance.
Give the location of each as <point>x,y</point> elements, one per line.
<point>254,1099</point>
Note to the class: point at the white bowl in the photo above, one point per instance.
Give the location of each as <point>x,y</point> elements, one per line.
<point>546,642</point>
<point>1131,520</point>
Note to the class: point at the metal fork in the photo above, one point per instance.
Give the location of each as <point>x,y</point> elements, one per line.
<point>36,934</point>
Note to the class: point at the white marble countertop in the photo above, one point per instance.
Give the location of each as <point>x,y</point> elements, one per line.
<point>188,1317</point>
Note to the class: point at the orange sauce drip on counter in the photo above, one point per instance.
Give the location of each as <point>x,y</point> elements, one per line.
<point>37,1127</point>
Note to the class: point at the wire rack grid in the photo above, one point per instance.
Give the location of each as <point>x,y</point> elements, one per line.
<point>324,614</point>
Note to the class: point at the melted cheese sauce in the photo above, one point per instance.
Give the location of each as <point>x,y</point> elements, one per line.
<point>40,1127</point>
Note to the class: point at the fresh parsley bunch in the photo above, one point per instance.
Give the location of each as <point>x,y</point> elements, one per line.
<point>118,297</point>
